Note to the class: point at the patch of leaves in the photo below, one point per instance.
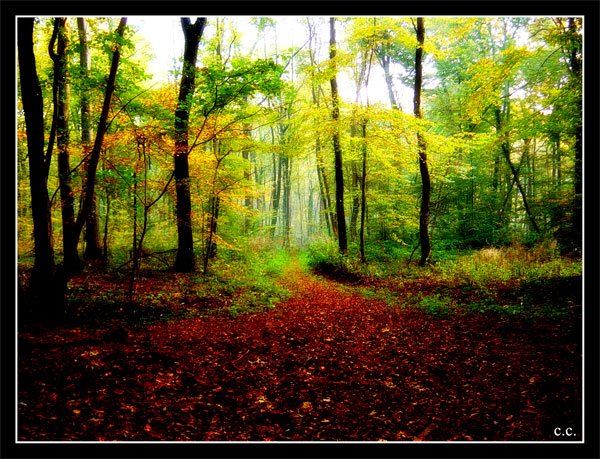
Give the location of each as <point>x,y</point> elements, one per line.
<point>327,364</point>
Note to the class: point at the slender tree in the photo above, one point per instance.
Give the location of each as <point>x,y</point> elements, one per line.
<point>363,181</point>
<point>423,167</point>
<point>337,146</point>
<point>326,206</point>
<point>42,281</point>
<point>574,49</point>
<point>90,180</point>
<point>505,147</point>
<point>184,261</point>
<point>93,246</point>
<point>62,90</point>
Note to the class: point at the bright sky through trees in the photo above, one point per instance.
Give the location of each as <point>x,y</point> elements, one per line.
<point>165,39</point>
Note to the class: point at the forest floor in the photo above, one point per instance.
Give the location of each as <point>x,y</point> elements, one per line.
<point>325,364</point>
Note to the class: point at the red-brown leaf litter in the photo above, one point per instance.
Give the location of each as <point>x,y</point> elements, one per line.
<point>324,365</point>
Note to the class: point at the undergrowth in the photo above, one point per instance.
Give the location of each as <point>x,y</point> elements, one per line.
<point>533,283</point>
<point>237,283</point>
<point>250,280</point>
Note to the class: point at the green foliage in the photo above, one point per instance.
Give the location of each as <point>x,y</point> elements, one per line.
<point>434,305</point>
<point>245,281</point>
<point>221,85</point>
<point>237,145</point>
<point>513,263</point>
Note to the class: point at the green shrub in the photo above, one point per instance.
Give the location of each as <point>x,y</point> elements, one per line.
<point>504,264</point>
<point>246,281</point>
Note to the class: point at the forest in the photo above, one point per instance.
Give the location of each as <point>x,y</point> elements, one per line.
<point>369,232</point>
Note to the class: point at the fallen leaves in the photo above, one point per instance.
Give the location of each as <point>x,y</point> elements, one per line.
<point>325,365</point>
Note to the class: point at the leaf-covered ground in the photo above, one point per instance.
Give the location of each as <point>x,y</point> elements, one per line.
<point>327,364</point>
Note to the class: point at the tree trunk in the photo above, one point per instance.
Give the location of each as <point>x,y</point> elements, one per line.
<point>287,186</point>
<point>71,260</point>
<point>248,204</point>
<point>337,147</point>
<point>423,168</point>
<point>363,193</point>
<point>323,183</point>
<point>105,238</point>
<point>134,242</point>
<point>52,133</point>
<point>355,209</point>
<point>575,66</point>
<point>184,261</point>
<point>385,61</point>
<point>276,193</point>
<point>505,147</point>
<point>42,281</point>
<point>93,246</point>
<point>211,246</point>
<point>90,181</point>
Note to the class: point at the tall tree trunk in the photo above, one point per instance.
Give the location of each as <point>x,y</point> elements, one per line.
<point>276,193</point>
<point>184,261</point>
<point>71,260</point>
<point>93,246</point>
<point>287,186</point>
<point>105,238</point>
<point>211,245</point>
<point>248,203</point>
<point>90,181</point>
<point>505,147</point>
<point>134,243</point>
<point>42,281</point>
<point>363,192</point>
<point>355,191</point>
<point>321,175</point>
<point>575,66</point>
<point>326,194</point>
<point>323,183</point>
<point>337,146</point>
<point>52,133</point>
<point>385,61</point>
<point>423,168</point>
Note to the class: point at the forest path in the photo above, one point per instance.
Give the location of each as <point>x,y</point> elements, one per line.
<point>330,364</point>
<point>326,364</point>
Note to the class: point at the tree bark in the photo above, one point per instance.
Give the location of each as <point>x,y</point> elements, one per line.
<point>184,261</point>
<point>276,193</point>
<point>42,282</point>
<point>363,192</point>
<point>90,181</point>
<point>287,186</point>
<point>575,66</point>
<point>505,147</point>
<point>71,260</point>
<point>385,61</point>
<point>423,168</point>
<point>93,246</point>
<point>248,202</point>
<point>337,147</point>
<point>355,209</point>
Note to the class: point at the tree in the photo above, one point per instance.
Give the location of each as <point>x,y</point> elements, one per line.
<point>43,276</point>
<point>90,180</point>
<point>574,46</point>
<point>93,247</point>
<point>337,147</point>
<point>423,167</point>
<point>184,261</point>
<point>62,91</point>
<point>330,218</point>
